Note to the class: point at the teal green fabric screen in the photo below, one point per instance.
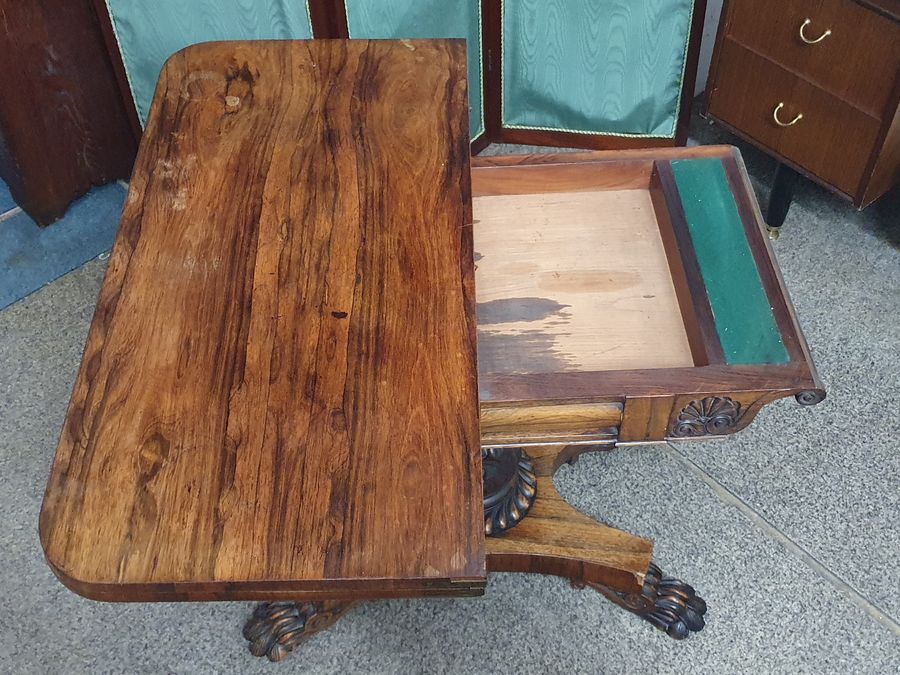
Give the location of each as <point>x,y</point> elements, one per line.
<point>744,318</point>
<point>426,19</point>
<point>149,31</point>
<point>588,65</point>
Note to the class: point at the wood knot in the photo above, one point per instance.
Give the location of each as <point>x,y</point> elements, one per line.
<point>232,103</point>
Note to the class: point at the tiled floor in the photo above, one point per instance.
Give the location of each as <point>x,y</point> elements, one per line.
<point>790,529</point>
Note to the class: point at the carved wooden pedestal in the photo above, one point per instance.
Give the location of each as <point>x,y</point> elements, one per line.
<point>530,528</point>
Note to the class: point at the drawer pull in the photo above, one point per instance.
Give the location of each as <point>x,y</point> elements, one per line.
<point>785,124</point>
<point>809,41</point>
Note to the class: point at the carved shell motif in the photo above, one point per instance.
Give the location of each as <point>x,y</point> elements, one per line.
<point>713,415</point>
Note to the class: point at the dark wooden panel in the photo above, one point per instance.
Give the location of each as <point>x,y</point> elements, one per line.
<point>885,167</point>
<point>329,18</point>
<point>887,8</point>
<point>856,62</point>
<point>278,390</point>
<point>62,119</point>
<point>834,140</point>
<point>614,385</point>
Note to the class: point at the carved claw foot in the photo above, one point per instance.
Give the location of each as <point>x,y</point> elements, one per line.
<point>667,603</point>
<point>276,628</point>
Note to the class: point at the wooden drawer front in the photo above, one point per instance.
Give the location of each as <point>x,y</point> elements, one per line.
<point>550,424</point>
<point>858,62</point>
<point>833,140</point>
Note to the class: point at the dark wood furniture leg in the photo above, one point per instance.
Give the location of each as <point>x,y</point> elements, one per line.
<point>530,528</point>
<point>781,195</point>
<point>542,534</point>
<point>666,603</point>
<point>276,628</point>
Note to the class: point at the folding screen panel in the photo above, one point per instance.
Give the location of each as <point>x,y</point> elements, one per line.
<point>582,73</point>
<point>604,67</point>
<point>427,19</point>
<point>149,31</point>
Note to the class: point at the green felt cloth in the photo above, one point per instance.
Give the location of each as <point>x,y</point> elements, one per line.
<point>744,319</point>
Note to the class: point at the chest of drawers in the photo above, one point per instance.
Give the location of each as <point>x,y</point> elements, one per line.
<point>816,84</point>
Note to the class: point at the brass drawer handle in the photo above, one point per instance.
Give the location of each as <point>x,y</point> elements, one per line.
<point>785,124</point>
<point>806,39</point>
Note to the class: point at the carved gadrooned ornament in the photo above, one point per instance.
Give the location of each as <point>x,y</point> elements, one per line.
<point>510,488</point>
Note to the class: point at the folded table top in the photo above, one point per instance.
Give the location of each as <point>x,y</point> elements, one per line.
<point>278,393</point>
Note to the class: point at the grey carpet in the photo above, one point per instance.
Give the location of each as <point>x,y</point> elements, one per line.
<point>790,529</point>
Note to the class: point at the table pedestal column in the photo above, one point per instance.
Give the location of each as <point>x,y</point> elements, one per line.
<point>529,528</point>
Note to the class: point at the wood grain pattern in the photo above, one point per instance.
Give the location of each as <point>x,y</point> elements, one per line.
<point>565,176</point>
<point>860,42</point>
<point>426,19</point>
<point>557,424</point>
<point>834,140</point>
<point>556,407</point>
<point>150,31</point>
<point>63,126</point>
<point>851,80</point>
<point>573,280</point>
<point>646,419</point>
<point>555,538</point>
<point>277,397</point>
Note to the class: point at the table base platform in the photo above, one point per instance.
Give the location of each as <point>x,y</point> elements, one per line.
<point>530,528</point>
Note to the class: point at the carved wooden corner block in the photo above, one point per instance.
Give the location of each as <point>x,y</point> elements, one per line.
<point>709,416</point>
<point>719,415</point>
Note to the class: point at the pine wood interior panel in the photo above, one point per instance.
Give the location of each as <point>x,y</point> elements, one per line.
<point>575,279</point>
<point>264,405</point>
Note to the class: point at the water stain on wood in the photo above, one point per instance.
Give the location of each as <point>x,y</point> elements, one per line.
<point>530,351</point>
<point>513,310</point>
<point>588,281</point>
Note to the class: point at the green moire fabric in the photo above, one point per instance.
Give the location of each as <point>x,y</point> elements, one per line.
<point>595,66</point>
<point>150,31</point>
<point>427,19</point>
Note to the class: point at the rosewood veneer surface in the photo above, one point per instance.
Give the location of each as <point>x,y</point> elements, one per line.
<point>278,393</point>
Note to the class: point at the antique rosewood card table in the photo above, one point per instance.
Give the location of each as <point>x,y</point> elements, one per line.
<point>282,397</point>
